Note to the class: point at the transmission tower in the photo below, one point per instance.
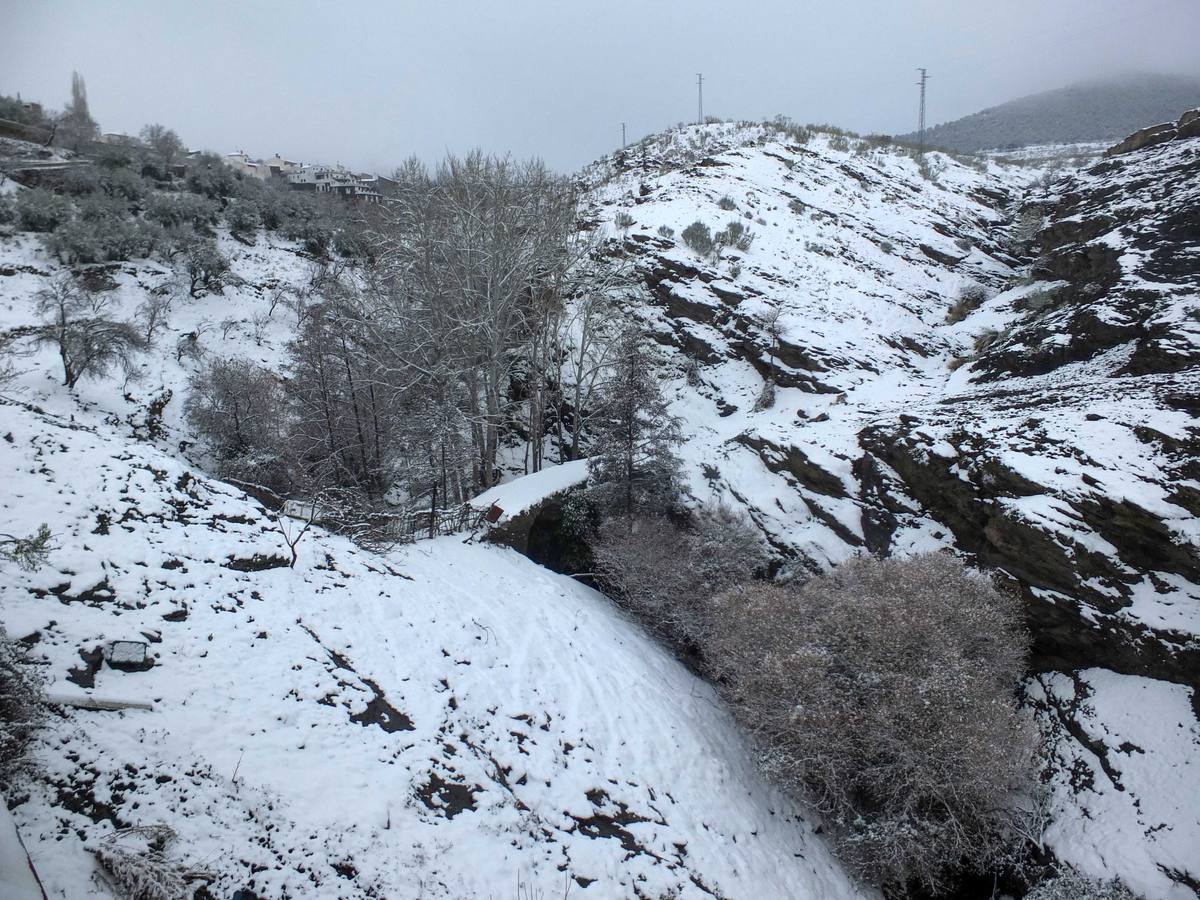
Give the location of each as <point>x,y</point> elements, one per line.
<point>623,144</point>
<point>700,99</point>
<point>921,116</point>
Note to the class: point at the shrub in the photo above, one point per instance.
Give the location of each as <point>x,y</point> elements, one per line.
<point>22,707</point>
<point>735,271</point>
<point>887,247</point>
<point>735,234</point>
<point>104,239</point>
<point>665,232</point>
<point>99,206</point>
<point>124,183</point>
<point>41,210</point>
<point>243,218</point>
<point>726,203</point>
<point>989,338</point>
<point>970,298</point>
<point>623,220</point>
<point>699,238</point>
<point>208,175</point>
<point>839,143</point>
<point>799,207</point>
<point>81,180</point>
<point>667,573</point>
<point>885,693</point>
<point>352,243</point>
<point>173,210</point>
<point>1070,885</point>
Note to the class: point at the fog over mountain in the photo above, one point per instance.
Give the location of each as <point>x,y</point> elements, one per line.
<point>1101,110</point>
<point>374,82</point>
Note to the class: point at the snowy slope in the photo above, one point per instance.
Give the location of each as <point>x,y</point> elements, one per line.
<point>440,723</point>
<point>1049,433</point>
<point>435,724</point>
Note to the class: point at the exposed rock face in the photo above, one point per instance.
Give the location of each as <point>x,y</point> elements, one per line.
<point>1187,126</point>
<point>1122,239</point>
<point>1064,455</point>
<point>1027,483</point>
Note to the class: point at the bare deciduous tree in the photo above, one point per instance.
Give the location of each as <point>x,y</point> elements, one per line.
<point>163,141</point>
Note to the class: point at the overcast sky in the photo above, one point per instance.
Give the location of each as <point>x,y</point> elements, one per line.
<point>370,82</point>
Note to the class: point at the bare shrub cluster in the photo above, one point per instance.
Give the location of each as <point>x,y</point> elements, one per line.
<point>22,708</point>
<point>970,298</point>
<point>709,552</point>
<point>885,693</point>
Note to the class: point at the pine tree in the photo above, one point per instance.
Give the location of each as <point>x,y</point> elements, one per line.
<point>634,469</point>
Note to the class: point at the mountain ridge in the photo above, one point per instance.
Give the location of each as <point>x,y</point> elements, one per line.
<point>1098,110</point>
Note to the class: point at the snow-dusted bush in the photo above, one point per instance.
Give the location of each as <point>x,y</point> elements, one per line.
<point>41,210</point>
<point>81,180</point>
<point>104,239</point>
<point>699,238</point>
<point>208,175</point>
<point>623,220</point>
<point>184,209</point>
<point>735,234</point>
<point>1070,885</point>
<point>665,231</point>
<point>885,693</point>
<point>970,298</point>
<point>243,218</point>
<point>727,203</point>
<point>22,707</point>
<point>136,859</point>
<point>667,573</point>
<point>124,183</point>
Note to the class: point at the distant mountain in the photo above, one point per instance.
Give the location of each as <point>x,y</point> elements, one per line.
<point>1106,110</point>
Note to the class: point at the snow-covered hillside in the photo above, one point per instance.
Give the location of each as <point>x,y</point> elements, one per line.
<point>437,723</point>
<point>1046,427</point>
<point>448,721</point>
<point>450,718</point>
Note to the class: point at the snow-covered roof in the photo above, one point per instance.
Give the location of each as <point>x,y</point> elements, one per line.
<point>516,496</point>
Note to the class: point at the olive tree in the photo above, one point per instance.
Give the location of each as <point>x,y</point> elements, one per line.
<point>77,325</point>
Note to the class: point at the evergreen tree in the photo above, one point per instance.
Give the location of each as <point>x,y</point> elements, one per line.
<point>76,126</point>
<point>634,469</point>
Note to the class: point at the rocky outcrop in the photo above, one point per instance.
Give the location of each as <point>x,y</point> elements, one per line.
<point>1187,126</point>
<point>1108,576</point>
<point>1120,241</point>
